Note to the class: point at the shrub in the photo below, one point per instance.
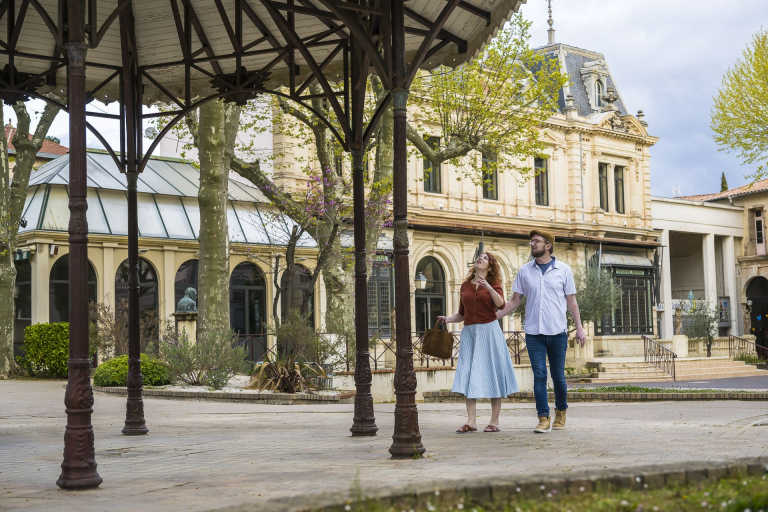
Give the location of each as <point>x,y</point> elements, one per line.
<point>286,376</point>
<point>114,373</point>
<point>46,350</point>
<point>211,361</point>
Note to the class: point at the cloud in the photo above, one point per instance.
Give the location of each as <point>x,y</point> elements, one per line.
<point>668,59</point>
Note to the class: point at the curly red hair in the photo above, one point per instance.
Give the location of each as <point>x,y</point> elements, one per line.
<point>494,270</point>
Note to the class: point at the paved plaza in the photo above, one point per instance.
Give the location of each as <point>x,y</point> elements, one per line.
<point>207,455</point>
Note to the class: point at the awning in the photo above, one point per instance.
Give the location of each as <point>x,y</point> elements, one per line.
<point>609,259</point>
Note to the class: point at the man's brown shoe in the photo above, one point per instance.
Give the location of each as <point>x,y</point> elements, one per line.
<point>544,425</point>
<point>559,423</point>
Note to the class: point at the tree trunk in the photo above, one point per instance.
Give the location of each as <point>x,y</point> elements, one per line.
<point>13,194</point>
<point>381,179</point>
<point>217,129</point>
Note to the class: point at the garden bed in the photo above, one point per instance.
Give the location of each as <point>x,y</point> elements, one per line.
<point>235,391</point>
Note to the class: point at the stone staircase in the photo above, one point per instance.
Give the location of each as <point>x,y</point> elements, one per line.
<point>699,368</point>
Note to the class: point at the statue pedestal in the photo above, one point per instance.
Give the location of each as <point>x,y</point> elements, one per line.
<point>187,322</point>
<point>680,345</point>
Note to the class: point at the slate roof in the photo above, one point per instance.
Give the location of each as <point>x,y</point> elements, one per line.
<point>744,190</point>
<point>575,58</point>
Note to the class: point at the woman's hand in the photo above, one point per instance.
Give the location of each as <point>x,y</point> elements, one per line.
<point>442,320</point>
<point>482,282</point>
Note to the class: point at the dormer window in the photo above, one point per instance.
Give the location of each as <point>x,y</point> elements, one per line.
<point>599,93</point>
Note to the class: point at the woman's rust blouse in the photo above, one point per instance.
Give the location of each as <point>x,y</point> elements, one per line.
<point>477,306</point>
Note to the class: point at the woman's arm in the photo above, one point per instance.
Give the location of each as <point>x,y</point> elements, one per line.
<point>457,318</point>
<point>510,306</point>
<point>498,300</point>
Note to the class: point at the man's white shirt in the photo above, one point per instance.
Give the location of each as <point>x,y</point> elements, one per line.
<point>545,305</point>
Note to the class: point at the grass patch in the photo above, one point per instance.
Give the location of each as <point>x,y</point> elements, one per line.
<point>641,389</point>
<point>728,495</point>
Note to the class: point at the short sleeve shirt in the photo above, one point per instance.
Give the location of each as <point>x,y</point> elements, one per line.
<point>545,296</point>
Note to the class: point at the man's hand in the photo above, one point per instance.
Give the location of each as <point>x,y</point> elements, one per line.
<point>580,338</point>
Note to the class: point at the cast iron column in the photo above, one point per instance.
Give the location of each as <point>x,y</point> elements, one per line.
<point>364,423</point>
<point>407,438</point>
<point>78,471</point>
<point>134,414</point>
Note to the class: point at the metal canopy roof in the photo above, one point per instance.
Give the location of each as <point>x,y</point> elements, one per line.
<point>167,203</point>
<point>217,30</point>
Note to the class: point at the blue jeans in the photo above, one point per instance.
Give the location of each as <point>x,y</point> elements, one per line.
<point>540,347</point>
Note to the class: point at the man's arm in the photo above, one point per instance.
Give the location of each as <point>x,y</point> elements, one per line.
<point>573,307</point>
<point>510,306</point>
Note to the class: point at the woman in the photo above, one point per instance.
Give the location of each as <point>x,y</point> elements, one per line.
<point>484,369</point>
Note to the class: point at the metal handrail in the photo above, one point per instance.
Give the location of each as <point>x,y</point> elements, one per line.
<point>659,356</point>
<point>250,342</point>
<point>738,346</point>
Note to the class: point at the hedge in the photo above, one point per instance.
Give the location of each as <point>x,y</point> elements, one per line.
<point>114,372</point>
<point>46,350</point>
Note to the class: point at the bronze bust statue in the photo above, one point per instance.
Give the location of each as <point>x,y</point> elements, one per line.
<point>188,303</point>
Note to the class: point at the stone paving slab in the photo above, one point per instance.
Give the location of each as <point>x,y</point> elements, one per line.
<point>203,455</point>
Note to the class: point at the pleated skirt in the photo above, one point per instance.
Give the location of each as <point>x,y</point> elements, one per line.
<point>484,368</point>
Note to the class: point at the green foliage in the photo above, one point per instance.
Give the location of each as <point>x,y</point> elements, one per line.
<point>739,116</point>
<point>286,375</point>
<point>114,373</point>
<point>492,106</point>
<point>597,293</point>
<point>211,361</point>
<point>46,350</point>
<point>53,139</point>
<point>723,183</point>
<point>297,338</point>
<point>702,324</point>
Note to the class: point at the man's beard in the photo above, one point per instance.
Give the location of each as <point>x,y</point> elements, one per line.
<point>538,253</point>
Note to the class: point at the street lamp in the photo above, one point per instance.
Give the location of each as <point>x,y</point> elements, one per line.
<point>421,281</point>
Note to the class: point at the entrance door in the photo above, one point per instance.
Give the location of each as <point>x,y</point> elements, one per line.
<point>429,303</point>
<point>247,309</point>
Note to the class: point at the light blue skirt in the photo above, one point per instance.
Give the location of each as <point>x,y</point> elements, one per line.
<point>484,368</point>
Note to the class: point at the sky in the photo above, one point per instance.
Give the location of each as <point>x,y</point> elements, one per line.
<point>667,58</point>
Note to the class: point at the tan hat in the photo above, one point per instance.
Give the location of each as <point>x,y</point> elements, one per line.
<point>549,237</point>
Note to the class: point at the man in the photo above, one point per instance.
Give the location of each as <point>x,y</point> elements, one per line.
<point>549,287</point>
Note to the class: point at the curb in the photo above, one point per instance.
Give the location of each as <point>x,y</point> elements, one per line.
<point>508,488</point>
<point>577,396</point>
<point>265,398</point>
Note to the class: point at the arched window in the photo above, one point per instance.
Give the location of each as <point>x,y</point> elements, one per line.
<point>58,288</point>
<point>294,295</point>
<point>247,299</point>
<point>22,296</point>
<point>599,91</point>
<point>186,277</point>
<point>430,302</point>
<point>148,295</point>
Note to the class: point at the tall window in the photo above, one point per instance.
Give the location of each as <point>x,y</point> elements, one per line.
<point>432,171</point>
<point>602,176</point>
<point>380,296</point>
<point>294,295</point>
<point>490,179</point>
<point>148,295</point>
<point>430,302</point>
<point>541,182</point>
<point>58,288</point>
<point>618,181</point>
<point>248,307</point>
<point>22,295</point>
<point>759,232</point>
<point>633,314</point>
<point>599,93</point>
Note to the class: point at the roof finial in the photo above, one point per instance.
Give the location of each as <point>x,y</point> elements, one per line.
<point>550,21</point>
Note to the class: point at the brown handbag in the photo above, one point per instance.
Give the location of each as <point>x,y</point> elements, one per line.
<point>437,343</point>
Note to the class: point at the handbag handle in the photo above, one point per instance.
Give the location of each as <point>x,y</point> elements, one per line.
<point>437,325</point>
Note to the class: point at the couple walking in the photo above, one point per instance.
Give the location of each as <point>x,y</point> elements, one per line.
<point>484,368</point>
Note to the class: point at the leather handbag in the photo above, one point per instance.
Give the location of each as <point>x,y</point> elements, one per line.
<point>437,343</point>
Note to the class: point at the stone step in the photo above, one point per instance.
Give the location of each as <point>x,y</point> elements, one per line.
<point>716,369</point>
<point>663,377</point>
<point>640,376</point>
<point>702,364</point>
<point>709,376</point>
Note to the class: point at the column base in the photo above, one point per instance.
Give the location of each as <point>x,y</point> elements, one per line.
<point>134,418</point>
<point>364,430</point>
<point>83,478</point>
<point>138,430</point>
<point>406,450</point>
<point>364,423</point>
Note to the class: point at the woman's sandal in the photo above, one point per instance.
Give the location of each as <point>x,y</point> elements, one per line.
<point>491,428</point>
<point>466,428</point>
